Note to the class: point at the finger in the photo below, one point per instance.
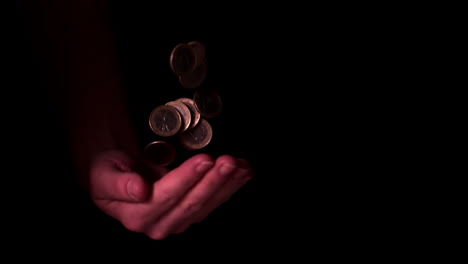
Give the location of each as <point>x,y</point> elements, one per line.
<point>237,181</point>
<point>111,178</point>
<point>207,210</point>
<point>140,217</point>
<point>198,196</point>
<point>176,183</point>
<point>183,226</point>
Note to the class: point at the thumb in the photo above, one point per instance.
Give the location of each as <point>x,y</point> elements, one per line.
<point>112,179</point>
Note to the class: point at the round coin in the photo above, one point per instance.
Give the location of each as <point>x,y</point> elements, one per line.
<point>191,80</point>
<point>193,110</point>
<point>199,51</point>
<point>208,103</point>
<point>197,137</point>
<point>182,59</point>
<point>165,120</point>
<point>184,112</point>
<point>160,152</point>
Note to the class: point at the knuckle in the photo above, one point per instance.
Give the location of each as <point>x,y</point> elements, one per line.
<point>166,198</point>
<point>191,207</point>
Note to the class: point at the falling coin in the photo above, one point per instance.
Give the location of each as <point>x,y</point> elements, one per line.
<point>184,112</point>
<point>195,78</point>
<point>208,103</point>
<point>160,152</point>
<point>193,110</point>
<point>182,59</point>
<point>199,51</point>
<point>165,120</point>
<point>197,137</point>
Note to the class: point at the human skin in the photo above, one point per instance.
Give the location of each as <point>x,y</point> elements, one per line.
<point>80,63</point>
<point>181,197</point>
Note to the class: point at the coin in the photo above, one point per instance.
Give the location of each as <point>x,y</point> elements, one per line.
<point>199,51</point>
<point>165,120</point>
<point>208,103</point>
<point>160,152</point>
<point>184,112</point>
<point>191,80</point>
<point>182,59</point>
<point>197,137</point>
<point>193,110</point>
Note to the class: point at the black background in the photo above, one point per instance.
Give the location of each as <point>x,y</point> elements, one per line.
<point>296,104</point>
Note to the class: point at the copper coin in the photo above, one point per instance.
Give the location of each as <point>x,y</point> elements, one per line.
<point>165,120</point>
<point>160,152</point>
<point>184,112</point>
<point>193,110</point>
<point>199,51</point>
<point>197,137</point>
<point>182,59</point>
<point>195,78</point>
<point>208,103</point>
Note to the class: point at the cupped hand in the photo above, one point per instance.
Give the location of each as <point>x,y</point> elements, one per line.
<point>179,198</point>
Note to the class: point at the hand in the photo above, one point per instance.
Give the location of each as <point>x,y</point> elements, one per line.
<point>180,198</point>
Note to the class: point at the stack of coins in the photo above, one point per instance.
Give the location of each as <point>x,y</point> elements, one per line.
<point>185,118</point>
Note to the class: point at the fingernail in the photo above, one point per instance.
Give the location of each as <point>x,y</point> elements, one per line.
<point>204,166</point>
<point>226,169</point>
<point>131,189</point>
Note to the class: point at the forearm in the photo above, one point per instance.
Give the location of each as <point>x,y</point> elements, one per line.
<point>80,52</point>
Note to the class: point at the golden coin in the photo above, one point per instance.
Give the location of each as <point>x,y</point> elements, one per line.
<point>199,51</point>
<point>165,120</point>
<point>193,110</point>
<point>160,152</point>
<point>197,137</point>
<point>184,112</point>
<point>191,80</point>
<point>208,103</point>
<point>182,59</point>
